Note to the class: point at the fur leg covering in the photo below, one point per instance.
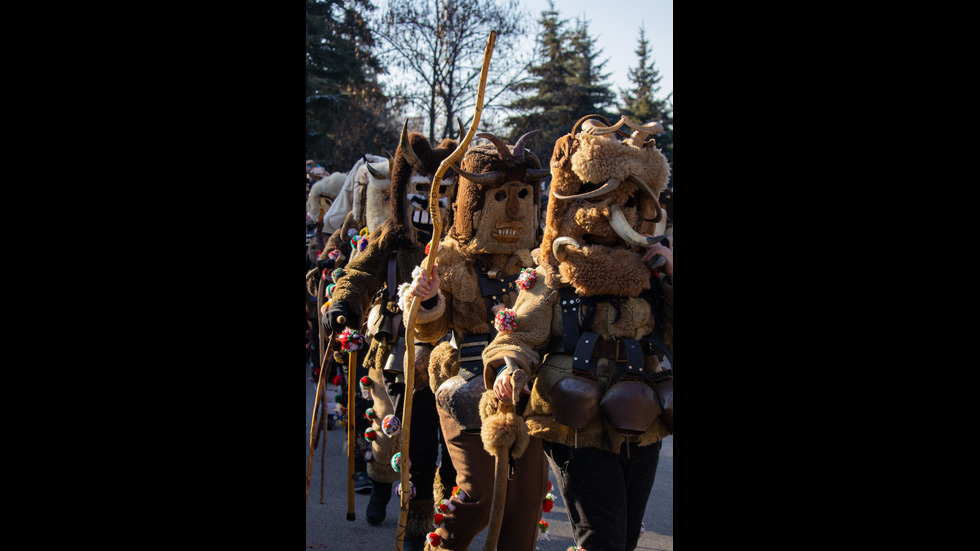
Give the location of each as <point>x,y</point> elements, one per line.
<point>419,520</point>
<point>443,364</point>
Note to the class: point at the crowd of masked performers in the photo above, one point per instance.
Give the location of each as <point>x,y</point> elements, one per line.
<point>543,333</point>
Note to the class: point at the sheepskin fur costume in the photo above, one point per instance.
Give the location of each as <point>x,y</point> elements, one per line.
<point>356,291</point>
<point>407,184</point>
<point>583,162</point>
<point>601,264</point>
<point>326,188</point>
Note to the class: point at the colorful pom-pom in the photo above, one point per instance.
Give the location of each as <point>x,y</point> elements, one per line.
<point>324,308</point>
<point>574,548</point>
<point>354,240</point>
<point>351,339</point>
<point>337,274</point>
<point>329,290</point>
<point>366,382</point>
<point>334,254</point>
<point>337,380</point>
<point>445,506</point>
<point>390,425</point>
<point>325,276</point>
<point>396,462</point>
<point>351,232</point>
<point>434,539</point>
<point>438,519</point>
<point>411,490</point>
<point>527,278</point>
<point>505,321</point>
<point>369,413</point>
<point>368,456</point>
<point>370,435</point>
<point>362,244</point>
<point>459,494</point>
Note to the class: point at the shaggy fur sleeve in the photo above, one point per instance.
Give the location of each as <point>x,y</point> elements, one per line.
<point>361,279</point>
<point>534,309</point>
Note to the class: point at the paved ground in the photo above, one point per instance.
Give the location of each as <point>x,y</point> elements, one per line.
<point>327,527</point>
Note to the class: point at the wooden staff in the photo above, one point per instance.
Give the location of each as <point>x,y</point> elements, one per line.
<point>502,447</point>
<point>319,390</point>
<point>351,381</point>
<point>430,260</point>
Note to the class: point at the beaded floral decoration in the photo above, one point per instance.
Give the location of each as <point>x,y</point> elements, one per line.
<point>351,340</point>
<point>505,321</point>
<point>527,278</point>
<point>390,425</point>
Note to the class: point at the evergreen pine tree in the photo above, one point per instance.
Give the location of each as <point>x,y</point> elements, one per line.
<point>345,108</point>
<point>640,103</point>
<point>565,85</point>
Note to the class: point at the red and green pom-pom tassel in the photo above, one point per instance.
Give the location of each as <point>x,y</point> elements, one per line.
<point>351,340</point>
<point>527,278</point>
<point>370,435</point>
<point>505,321</point>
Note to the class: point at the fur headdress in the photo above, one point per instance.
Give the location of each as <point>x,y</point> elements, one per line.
<point>604,194</point>
<point>494,166</point>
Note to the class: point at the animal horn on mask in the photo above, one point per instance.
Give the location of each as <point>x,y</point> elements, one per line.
<point>375,173</point>
<point>406,148</point>
<point>519,147</point>
<point>610,185</point>
<point>560,245</point>
<point>619,224</point>
<point>641,131</point>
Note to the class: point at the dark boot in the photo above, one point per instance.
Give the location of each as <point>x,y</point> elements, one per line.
<point>378,504</point>
<point>414,543</point>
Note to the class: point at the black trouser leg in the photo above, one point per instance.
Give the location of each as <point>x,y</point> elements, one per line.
<point>606,494</point>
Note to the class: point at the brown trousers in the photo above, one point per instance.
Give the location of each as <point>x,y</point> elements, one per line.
<point>475,476</point>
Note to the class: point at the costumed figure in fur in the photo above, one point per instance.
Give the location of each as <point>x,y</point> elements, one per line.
<point>482,264</point>
<point>356,200</point>
<point>592,333</point>
<point>368,293</point>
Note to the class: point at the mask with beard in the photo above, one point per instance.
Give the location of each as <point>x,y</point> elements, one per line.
<point>604,196</point>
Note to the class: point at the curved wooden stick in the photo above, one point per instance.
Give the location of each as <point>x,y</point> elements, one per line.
<point>416,302</point>
<point>502,460</point>
<point>316,400</point>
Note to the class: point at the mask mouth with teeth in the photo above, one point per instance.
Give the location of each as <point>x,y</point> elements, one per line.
<point>414,167</point>
<point>498,199</point>
<point>604,197</point>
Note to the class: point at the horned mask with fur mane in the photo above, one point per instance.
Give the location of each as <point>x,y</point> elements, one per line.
<point>604,196</point>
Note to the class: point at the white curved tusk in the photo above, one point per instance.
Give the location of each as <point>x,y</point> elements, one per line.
<point>617,220</point>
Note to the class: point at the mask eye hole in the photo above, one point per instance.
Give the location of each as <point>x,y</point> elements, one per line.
<point>630,202</point>
<point>522,194</point>
<point>501,195</point>
<point>422,188</point>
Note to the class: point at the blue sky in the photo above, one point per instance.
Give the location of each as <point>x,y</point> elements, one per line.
<point>615,24</point>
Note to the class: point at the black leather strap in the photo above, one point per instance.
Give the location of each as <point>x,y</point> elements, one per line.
<point>582,359</point>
